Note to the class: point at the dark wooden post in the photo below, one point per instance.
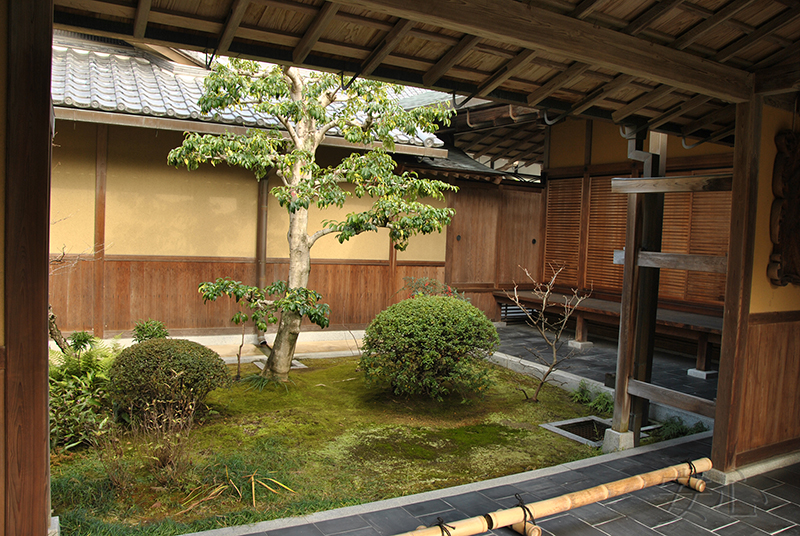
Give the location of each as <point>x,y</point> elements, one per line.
<point>739,279</point>
<point>98,267</point>
<point>640,288</point>
<point>28,139</point>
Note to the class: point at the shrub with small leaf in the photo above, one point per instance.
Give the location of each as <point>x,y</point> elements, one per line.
<point>165,376</point>
<point>144,330</point>
<point>430,345</point>
<point>674,427</point>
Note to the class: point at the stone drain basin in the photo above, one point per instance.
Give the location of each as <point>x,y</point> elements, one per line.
<point>587,430</point>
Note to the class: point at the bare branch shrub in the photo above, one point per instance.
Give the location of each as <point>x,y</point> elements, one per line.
<point>550,327</point>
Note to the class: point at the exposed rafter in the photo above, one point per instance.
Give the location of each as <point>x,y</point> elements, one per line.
<point>536,28</point>
<point>555,83</point>
<point>677,111</point>
<point>597,96</point>
<point>720,114</point>
<point>140,22</point>
<point>387,44</point>
<point>231,25</point>
<point>585,8</point>
<point>774,24</point>
<point>645,100</point>
<point>314,31</point>
<point>778,79</point>
<point>697,31</point>
<point>453,56</point>
<point>518,63</point>
<point>650,16</point>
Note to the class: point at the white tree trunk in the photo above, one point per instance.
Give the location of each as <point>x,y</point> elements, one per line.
<point>280,360</point>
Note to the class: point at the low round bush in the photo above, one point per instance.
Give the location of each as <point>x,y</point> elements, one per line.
<point>165,372</point>
<point>430,345</point>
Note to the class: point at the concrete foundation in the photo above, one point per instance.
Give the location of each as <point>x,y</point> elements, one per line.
<point>615,441</point>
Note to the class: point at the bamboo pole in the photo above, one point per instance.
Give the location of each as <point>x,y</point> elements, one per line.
<point>517,516</point>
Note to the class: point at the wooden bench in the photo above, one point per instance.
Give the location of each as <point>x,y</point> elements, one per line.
<point>705,330</point>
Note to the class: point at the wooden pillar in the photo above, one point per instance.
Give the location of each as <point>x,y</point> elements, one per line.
<point>739,280</point>
<point>98,267</point>
<point>28,138</point>
<point>644,339</point>
<point>261,234</point>
<point>640,288</point>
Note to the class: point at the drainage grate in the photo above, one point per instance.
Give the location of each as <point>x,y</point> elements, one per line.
<point>587,430</point>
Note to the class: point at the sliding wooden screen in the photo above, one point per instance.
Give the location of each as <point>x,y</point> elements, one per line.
<point>562,244</point>
<point>607,221</point>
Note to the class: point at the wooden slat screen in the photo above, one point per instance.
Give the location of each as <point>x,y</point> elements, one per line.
<point>677,224</point>
<point>562,242</point>
<point>607,222</point>
<point>695,223</point>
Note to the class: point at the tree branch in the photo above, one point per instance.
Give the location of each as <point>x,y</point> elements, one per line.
<point>319,234</point>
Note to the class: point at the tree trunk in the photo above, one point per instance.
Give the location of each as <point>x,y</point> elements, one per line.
<point>280,359</point>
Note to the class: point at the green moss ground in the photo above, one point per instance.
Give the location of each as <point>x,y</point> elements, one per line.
<point>329,436</point>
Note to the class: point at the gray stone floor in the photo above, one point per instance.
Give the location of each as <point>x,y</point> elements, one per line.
<point>669,368</point>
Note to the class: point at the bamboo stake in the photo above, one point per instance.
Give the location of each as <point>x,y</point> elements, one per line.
<point>694,483</point>
<point>557,505</point>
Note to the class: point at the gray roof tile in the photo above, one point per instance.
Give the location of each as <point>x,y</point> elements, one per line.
<point>124,80</point>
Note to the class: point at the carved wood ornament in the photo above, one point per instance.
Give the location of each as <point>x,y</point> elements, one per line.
<point>784,265</point>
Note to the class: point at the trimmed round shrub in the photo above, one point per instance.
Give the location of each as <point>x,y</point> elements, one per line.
<point>165,373</point>
<point>430,345</point>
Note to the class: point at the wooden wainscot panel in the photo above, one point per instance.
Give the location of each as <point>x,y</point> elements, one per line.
<point>71,291</point>
<point>520,235</point>
<point>770,413</point>
<point>471,252</point>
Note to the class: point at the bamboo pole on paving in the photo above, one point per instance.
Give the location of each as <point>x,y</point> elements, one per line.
<point>516,517</point>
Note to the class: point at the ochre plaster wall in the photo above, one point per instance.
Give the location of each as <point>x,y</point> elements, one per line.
<point>567,142</point>
<point>153,209</point>
<point>608,146</point>
<point>766,297</point>
<point>72,188</point>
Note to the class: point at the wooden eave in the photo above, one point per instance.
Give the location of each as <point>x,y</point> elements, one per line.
<point>666,65</point>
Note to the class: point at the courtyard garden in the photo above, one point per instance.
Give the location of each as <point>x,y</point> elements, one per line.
<point>338,433</point>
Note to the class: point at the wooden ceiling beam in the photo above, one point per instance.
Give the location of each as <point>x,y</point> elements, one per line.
<point>385,47</point>
<point>314,31</point>
<point>231,25</point>
<point>645,100</point>
<point>519,62</point>
<point>778,79</point>
<point>650,16</point>
<point>697,31</point>
<point>773,25</point>
<point>726,112</point>
<point>555,83</point>
<point>453,56</point>
<point>539,29</point>
<point>140,20</point>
